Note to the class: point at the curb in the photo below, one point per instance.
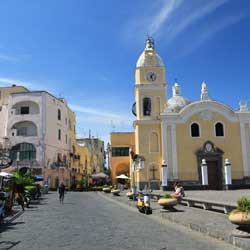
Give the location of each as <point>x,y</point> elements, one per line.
<point>219,235</point>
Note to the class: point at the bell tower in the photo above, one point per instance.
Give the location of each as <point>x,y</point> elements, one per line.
<point>150,98</point>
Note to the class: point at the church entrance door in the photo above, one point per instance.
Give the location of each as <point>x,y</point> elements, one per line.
<point>213,157</point>
<point>213,175</point>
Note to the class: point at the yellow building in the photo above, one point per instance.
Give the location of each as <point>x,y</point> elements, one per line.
<point>173,136</point>
<point>121,143</point>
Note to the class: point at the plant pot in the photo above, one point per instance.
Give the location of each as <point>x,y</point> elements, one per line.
<point>106,190</point>
<point>242,219</point>
<point>167,202</point>
<point>239,218</point>
<point>115,191</point>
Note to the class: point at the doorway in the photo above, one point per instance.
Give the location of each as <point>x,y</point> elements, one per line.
<point>213,157</point>
<point>213,175</point>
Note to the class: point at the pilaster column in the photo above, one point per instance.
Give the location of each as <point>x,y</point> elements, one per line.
<point>164,169</point>
<point>174,151</point>
<point>244,149</point>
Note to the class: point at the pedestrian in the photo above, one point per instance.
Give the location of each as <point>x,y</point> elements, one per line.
<point>61,191</point>
<point>179,191</point>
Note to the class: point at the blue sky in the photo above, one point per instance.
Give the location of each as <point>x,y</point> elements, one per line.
<point>86,51</point>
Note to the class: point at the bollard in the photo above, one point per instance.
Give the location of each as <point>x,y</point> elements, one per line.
<point>164,170</point>
<point>228,175</point>
<point>204,172</point>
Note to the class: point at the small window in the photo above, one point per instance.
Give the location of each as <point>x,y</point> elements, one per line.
<point>195,130</point>
<point>147,106</point>
<point>0,108</point>
<point>66,139</point>
<point>59,134</point>
<point>25,110</point>
<point>219,129</point>
<point>66,121</point>
<point>59,115</point>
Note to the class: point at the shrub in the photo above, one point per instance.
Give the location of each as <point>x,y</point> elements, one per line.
<point>6,189</point>
<point>167,196</point>
<point>243,204</point>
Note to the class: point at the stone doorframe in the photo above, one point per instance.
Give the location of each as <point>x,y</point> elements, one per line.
<point>211,153</point>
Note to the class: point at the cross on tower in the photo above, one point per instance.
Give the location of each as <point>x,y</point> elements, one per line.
<point>153,170</point>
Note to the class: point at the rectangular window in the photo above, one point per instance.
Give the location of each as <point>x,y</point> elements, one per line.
<point>59,134</point>
<point>66,121</point>
<point>24,110</point>
<point>66,139</point>
<point>59,115</point>
<point>22,131</point>
<point>0,108</point>
<point>121,151</point>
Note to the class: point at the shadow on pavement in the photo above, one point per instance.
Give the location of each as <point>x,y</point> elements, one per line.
<point>8,226</point>
<point>6,245</point>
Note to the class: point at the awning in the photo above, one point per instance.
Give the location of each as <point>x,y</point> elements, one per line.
<point>99,176</point>
<point>10,169</point>
<point>38,178</point>
<point>4,174</point>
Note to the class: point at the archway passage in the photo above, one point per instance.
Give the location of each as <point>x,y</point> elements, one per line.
<point>213,157</point>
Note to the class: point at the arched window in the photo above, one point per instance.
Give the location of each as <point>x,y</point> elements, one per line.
<point>154,142</point>
<point>195,130</point>
<point>219,129</point>
<point>26,151</point>
<point>147,106</point>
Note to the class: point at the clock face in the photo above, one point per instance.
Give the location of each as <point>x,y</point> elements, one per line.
<point>151,76</point>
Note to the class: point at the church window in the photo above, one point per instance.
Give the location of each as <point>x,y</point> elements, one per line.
<point>219,129</point>
<point>154,142</point>
<point>195,130</point>
<point>146,106</point>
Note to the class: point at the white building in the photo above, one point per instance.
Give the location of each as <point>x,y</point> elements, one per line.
<point>39,129</point>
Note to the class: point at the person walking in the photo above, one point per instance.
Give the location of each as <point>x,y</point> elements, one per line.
<point>61,191</point>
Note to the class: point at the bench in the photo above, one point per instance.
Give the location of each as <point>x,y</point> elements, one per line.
<point>208,204</point>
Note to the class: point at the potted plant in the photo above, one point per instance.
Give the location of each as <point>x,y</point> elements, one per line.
<point>241,217</point>
<point>106,189</point>
<point>167,201</point>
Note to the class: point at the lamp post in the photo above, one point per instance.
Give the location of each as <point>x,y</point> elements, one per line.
<point>137,165</point>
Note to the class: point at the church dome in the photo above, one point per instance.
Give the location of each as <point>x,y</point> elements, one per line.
<point>149,58</point>
<point>177,101</point>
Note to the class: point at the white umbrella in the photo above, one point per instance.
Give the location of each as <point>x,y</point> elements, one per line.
<point>4,174</point>
<point>122,176</point>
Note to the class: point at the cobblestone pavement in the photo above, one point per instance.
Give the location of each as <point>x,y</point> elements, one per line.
<point>88,221</point>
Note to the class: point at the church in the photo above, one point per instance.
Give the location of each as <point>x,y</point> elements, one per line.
<point>173,137</point>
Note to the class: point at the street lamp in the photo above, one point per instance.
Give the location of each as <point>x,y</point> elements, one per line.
<point>137,165</point>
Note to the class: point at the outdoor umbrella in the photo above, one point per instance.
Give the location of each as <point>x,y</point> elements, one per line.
<point>122,176</point>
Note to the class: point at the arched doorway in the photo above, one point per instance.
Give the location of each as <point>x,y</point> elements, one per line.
<point>213,157</point>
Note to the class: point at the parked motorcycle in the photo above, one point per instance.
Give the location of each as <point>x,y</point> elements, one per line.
<point>27,198</point>
<point>143,204</point>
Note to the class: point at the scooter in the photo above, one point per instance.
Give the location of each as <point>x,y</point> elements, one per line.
<point>143,204</point>
<point>27,198</point>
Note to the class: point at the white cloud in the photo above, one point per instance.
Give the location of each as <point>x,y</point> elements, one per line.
<point>8,58</point>
<point>195,15</point>
<point>208,34</point>
<point>165,12</point>
<point>6,81</point>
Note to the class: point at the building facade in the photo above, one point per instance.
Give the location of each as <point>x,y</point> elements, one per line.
<point>119,155</point>
<point>172,136</point>
<point>40,130</point>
